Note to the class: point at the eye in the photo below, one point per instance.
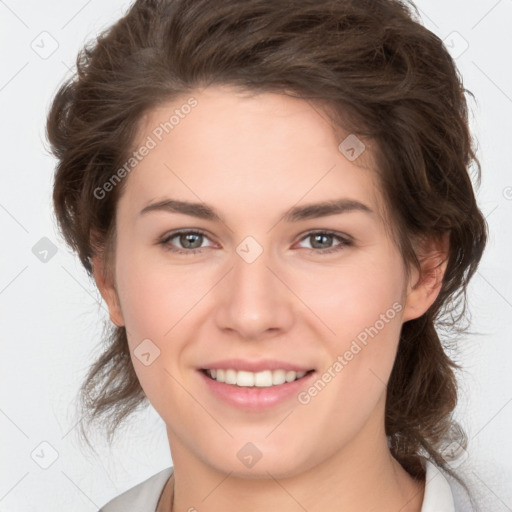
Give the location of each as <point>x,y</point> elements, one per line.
<point>321,239</point>
<point>191,241</point>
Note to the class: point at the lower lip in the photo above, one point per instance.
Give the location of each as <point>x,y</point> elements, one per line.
<point>256,398</point>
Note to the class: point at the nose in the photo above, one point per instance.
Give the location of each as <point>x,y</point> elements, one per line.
<point>253,300</point>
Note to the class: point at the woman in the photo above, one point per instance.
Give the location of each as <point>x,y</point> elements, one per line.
<point>275,203</point>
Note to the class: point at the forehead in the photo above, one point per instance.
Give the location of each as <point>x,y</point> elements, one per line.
<point>250,118</point>
<point>241,148</point>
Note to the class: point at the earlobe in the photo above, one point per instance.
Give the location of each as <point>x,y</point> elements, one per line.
<point>107,289</point>
<point>424,286</point>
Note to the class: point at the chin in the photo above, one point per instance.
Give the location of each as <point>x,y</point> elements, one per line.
<point>248,463</point>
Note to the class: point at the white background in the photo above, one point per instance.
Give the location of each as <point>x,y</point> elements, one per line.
<point>52,313</point>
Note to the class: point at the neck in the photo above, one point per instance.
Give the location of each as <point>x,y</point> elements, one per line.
<point>406,492</point>
<point>362,476</point>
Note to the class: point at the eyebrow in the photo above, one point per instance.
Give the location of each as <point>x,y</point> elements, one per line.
<point>294,214</point>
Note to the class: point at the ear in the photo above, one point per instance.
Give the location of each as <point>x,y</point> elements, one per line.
<point>106,286</point>
<point>424,286</point>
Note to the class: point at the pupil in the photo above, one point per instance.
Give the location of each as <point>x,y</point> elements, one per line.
<point>320,236</point>
<point>187,237</point>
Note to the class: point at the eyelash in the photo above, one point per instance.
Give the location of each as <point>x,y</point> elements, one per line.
<point>345,242</point>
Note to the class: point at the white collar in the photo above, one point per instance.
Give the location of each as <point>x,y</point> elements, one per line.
<point>438,495</point>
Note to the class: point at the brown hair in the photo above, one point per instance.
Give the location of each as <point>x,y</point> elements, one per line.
<point>372,62</point>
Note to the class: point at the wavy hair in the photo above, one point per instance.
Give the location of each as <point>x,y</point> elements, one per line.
<point>378,70</point>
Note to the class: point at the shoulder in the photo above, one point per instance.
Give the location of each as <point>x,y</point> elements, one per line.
<point>143,497</point>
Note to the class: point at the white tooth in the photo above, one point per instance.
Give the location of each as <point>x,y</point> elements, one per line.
<point>245,379</point>
<point>278,377</point>
<point>263,379</point>
<point>230,377</point>
<point>290,376</point>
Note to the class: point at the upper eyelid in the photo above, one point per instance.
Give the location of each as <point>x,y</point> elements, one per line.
<point>173,234</point>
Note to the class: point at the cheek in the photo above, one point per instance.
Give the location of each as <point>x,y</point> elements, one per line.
<point>157,303</point>
<point>362,305</point>
<point>354,295</point>
<point>154,298</point>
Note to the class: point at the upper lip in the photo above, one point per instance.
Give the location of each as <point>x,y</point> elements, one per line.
<point>254,366</point>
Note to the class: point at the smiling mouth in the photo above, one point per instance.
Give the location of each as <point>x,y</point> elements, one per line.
<point>263,379</point>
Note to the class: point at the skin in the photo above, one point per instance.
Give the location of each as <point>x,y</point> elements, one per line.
<point>252,158</point>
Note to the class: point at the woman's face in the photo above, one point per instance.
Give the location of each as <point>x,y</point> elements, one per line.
<point>253,293</point>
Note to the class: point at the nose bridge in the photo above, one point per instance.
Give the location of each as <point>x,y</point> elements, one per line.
<point>251,274</point>
<point>253,300</point>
